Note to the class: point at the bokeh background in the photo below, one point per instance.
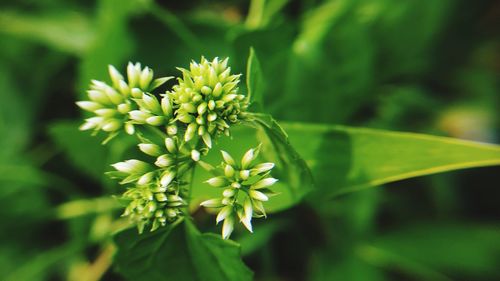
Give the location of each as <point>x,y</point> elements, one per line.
<point>429,66</point>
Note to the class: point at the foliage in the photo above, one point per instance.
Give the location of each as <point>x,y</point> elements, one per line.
<point>364,200</point>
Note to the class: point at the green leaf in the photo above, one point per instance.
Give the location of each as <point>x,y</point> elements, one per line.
<point>90,160</point>
<point>347,159</point>
<point>255,80</point>
<point>178,252</point>
<point>293,170</point>
<point>469,249</point>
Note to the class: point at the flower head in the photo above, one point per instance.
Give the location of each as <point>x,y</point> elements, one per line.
<point>113,104</point>
<point>245,187</point>
<point>207,99</point>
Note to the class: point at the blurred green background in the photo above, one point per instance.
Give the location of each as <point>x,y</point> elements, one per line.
<point>429,66</point>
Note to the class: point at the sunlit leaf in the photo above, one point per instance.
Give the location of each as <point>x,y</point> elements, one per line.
<point>347,159</point>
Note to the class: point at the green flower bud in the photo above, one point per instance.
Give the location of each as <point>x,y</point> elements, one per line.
<point>227,227</point>
<point>167,178</point>
<point>257,195</point>
<point>116,77</point>
<point>146,78</point>
<point>111,125</point>
<point>164,160</point>
<point>89,105</point>
<point>218,182</point>
<point>263,183</point>
<point>155,120</point>
<point>170,145</point>
<point>195,155</point>
<point>150,149</point>
<point>224,213</point>
<point>212,203</point>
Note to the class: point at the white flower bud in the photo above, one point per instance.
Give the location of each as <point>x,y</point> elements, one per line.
<point>207,139</point>
<point>166,106</point>
<point>257,195</point>
<point>89,105</point>
<point>170,145</point>
<point>247,158</point>
<point>146,78</point>
<point>155,120</point>
<point>228,98</point>
<point>188,107</point>
<point>227,227</point>
<point>124,88</point>
<point>164,161</point>
<point>116,77</point>
<point>224,213</point>
<point>150,149</point>
<point>206,90</point>
<point>146,178</point>
<point>139,116</point>
<point>113,95</point>
<point>129,128</point>
<point>124,108</point>
<point>105,112</point>
<point>212,203</point>
<point>161,197</point>
<point>261,168</point>
<point>136,93</point>
<point>111,125</point>
<point>212,116</point>
<point>133,73</point>
<point>167,178</point>
<point>248,213</point>
<point>172,130</point>
<point>211,104</point>
<point>152,104</point>
<point>227,158</point>
<point>264,183</point>
<point>218,182</point>
<point>202,108</point>
<point>185,118</point>
<point>229,171</point>
<point>99,97</point>
<point>131,166</point>
<point>195,155</point>
<point>244,174</point>
<point>190,132</point>
<point>217,90</point>
<point>228,192</point>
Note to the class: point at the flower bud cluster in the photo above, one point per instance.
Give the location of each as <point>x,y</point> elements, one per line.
<point>245,187</point>
<point>112,104</point>
<point>203,105</point>
<point>207,100</point>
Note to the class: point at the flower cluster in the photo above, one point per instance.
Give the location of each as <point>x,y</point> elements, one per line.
<point>112,104</point>
<point>207,99</point>
<point>201,106</point>
<point>245,188</point>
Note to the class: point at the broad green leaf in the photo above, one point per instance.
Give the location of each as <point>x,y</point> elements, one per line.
<point>82,149</point>
<point>255,80</point>
<point>294,174</point>
<point>454,249</point>
<point>178,252</point>
<point>347,159</point>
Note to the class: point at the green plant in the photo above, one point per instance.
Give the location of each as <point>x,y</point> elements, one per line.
<point>176,130</point>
